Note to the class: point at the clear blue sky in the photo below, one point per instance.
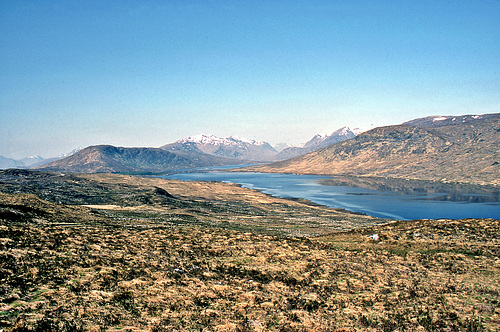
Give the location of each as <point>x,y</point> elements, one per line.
<point>146,73</point>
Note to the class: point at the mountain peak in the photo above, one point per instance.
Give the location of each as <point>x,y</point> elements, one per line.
<point>455,148</point>
<point>230,147</point>
<point>202,138</point>
<point>215,140</point>
<point>321,141</point>
<point>108,158</point>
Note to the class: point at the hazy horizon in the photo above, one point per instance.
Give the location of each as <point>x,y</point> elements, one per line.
<point>147,74</point>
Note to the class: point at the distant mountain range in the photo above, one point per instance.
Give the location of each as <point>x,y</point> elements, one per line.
<point>282,146</point>
<point>443,148</point>
<point>318,142</point>
<point>255,151</point>
<point>228,147</point>
<point>232,150</point>
<point>189,152</point>
<point>23,163</point>
<point>32,161</point>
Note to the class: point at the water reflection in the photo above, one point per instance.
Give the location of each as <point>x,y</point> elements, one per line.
<point>423,190</point>
<point>384,198</point>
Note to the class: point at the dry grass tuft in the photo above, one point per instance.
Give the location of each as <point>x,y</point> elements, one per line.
<point>420,275</point>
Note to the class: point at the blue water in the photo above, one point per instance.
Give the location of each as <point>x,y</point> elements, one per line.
<point>383,204</point>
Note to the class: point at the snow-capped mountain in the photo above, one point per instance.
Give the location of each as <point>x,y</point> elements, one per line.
<point>318,142</point>
<point>282,146</point>
<point>50,160</point>
<point>32,161</point>
<point>321,141</point>
<point>229,147</point>
<point>22,163</point>
<point>212,140</point>
<point>64,155</point>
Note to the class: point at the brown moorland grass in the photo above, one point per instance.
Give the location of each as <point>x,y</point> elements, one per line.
<point>172,202</point>
<point>74,270</point>
<point>158,255</point>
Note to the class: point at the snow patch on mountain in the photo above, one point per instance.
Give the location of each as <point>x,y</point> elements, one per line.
<point>229,147</point>
<point>320,141</point>
<point>214,140</point>
<point>72,152</point>
<point>439,118</point>
<point>358,131</point>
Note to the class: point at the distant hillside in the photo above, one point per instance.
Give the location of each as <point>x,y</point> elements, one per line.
<point>445,121</point>
<point>462,151</point>
<point>107,158</point>
<point>317,142</point>
<point>291,152</point>
<point>31,161</point>
<point>321,141</point>
<point>228,147</point>
<point>8,163</point>
<point>50,160</point>
<point>22,163</point>
<point>281,146</point>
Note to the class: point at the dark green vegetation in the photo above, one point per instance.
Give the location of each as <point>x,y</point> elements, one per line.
<point>158,255</point>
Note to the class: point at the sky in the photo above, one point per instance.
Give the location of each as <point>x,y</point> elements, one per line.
<point>147,73</point>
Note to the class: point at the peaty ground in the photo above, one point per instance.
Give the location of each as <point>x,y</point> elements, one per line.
<point>66,267</point>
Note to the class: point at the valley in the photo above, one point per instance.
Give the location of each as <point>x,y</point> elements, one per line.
<point>83,248</point>
<point>460,149</point>
<point>249,166</point>
<point>398,199</point>
<point>116,252</point>
<point>214,204</point>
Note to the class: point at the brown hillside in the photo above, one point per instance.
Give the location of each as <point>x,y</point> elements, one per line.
<point>460,153</point>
